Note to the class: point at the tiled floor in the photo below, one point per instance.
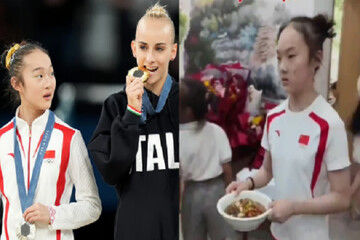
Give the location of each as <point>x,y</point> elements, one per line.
<point>342,227</point>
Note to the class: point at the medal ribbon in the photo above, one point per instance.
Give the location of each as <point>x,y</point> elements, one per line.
<point>28,199</point>
<point>147,107</point>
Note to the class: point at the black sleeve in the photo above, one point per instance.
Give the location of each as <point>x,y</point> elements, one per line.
<point>114,143</point>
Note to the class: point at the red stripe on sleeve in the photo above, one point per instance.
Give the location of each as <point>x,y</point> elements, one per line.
<point>65,154</point>
<point>6,128</point>
<point>7,205</point>
<point>271,118</point>
<point>324,132</point>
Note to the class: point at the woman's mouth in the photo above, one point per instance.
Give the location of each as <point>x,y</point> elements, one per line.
<point>47,97</point>
<point>151,69</point>
<point>285,80</point>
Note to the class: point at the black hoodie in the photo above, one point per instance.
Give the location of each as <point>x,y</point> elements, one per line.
<point>146,180</point>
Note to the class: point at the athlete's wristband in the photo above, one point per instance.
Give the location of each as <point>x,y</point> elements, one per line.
<point>133,110</point>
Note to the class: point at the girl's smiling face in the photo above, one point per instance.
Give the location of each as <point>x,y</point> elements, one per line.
<point>153,48</point>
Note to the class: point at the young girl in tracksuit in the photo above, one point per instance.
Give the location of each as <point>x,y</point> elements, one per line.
<point>41,157</point>
<point>135,144</point>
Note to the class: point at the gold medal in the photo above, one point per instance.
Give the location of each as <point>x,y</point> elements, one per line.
<point>143,74</point>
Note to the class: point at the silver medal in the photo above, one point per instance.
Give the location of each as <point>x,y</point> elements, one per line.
<point>26,231</point>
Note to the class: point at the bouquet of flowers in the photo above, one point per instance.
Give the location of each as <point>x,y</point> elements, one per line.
<point>227,84</point>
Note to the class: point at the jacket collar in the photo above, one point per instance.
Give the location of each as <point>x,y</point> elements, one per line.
<point>39,123</point>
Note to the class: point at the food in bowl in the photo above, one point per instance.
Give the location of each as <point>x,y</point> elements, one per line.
<point>245,208</point>
<point>244,224</point>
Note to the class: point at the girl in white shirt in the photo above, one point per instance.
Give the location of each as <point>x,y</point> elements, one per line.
<point>41,157</point>
<point>205,156</point>
<point>305,140</point>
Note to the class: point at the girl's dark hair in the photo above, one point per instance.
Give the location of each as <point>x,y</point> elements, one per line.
<point>194,95</point>
<point>16,66</point>
<point>314,30</point>
<point>355,121</point>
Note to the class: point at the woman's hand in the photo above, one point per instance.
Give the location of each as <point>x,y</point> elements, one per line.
<point>134,91</point>
<point>282,210</point>
<point>37,213</point>
<point>237,187</point>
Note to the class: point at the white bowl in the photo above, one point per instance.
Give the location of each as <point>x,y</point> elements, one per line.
<point>244,224</point>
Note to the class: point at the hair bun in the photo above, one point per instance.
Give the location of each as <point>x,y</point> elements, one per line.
<point>324,26</point>
<point>11,49</point>
<point>157,11</point>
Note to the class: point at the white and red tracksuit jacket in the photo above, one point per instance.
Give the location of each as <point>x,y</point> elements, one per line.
<point>66,163</point>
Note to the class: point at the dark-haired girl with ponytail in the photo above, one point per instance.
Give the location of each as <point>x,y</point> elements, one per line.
<point>305,140</point>
<point>205,156</point>
<point>41,158</point>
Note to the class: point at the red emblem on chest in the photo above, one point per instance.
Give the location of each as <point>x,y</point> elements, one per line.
<point>49,154</point>
<point>304,139</point>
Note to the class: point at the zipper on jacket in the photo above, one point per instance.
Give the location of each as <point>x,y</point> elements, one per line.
<point>28,180</point>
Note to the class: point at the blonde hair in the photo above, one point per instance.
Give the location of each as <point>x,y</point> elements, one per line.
<point>159,12</point>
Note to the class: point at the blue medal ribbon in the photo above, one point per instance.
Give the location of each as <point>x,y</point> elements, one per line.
<point>147,107</point>
<point>27,200</point>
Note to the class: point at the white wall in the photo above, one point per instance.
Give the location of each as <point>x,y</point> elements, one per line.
<point>323,77</point>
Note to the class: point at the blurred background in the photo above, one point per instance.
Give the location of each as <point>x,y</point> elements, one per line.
<point>89,45</point>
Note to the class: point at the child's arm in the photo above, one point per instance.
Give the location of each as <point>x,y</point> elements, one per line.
<point>355,185</point>
<point>181,188</point>
<point>228,174</point>
<point>355,188</point>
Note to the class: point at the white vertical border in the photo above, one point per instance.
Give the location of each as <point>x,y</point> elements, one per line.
<point>322,79</point>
